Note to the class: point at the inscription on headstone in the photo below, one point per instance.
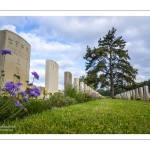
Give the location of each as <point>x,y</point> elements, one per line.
<point>19,62</point>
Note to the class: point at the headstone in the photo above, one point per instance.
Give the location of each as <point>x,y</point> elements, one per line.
<point>125,95</point>
<point>133,94</point>
<point>119,96</point>
<point>122,97</point>
<point>51,76</point>
<point>19,62</point>
<point>81,86</point>
<point>136,93</point>
<point>146,93</point>
<point>141,93</point>
<point>76,83</point>
<point>85,88</point>
<point>67,79</point>
<point>128,95</point>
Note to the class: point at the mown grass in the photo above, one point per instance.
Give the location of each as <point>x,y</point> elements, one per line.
<point>105,116</point>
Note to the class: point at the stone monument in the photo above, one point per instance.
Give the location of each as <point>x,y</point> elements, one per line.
<point>19,62</point>
<point>146,93</point>
<point>51,76</point>
<point>67,79</point>
<point>76,83</point>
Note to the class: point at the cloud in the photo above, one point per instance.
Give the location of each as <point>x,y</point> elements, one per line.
<point>64,40</point>
<point>9,27</point>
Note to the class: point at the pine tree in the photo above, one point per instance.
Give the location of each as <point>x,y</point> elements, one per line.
<point>108,64</point>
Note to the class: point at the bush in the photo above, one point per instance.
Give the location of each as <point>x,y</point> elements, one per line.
<point>80,97</point>
<point>37,106</point>
<point>113,97</point>
<point>59,100</point>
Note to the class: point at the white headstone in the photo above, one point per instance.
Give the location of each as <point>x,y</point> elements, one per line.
<point>76,83</point>
<point>82,86</point>
<point>133,94</point>
<point>19,62</point>
<point>67,79</point>
<point>136,93</point>
<point>51,76</point>
<point>146,93</point>
<point>141,93</point>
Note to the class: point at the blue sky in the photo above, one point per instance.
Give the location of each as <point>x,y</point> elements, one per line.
<point>64,40</point>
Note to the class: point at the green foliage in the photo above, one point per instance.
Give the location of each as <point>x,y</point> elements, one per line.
<point>59,100</point>
<point>106,116</point>
<point>80,97</point>
<point>110,60</point>
<point>113,97</point>
<point>8,111</point>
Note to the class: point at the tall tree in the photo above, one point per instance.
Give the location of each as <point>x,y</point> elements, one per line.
<point>108,64</point>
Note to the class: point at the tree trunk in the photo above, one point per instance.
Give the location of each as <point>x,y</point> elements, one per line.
<point>111,76</point>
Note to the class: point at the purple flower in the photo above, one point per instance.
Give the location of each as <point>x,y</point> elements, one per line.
<point>19,83</point>
<point>25,100</point>
<point>36,76</point>
<point>11,88</point>
<point>18,104</point>
<point>34,92</point>
<point>4,52</point>
<point>24,93</point>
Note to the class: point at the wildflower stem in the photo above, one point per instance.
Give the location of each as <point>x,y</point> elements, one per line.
<point>2,75</point>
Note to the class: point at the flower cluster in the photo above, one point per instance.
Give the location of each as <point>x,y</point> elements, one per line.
<point>12,88</point>
<point>33,92</point>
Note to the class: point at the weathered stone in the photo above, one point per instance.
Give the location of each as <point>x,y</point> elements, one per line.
<point>76,83</point>
<point>141,93</point>
<point>122,97</point>
<point>82,86</point>
<point>128,95</point>
<point>67,79</point>
<point>133,94</point>
<point>19,62</point>
<point>51,76</point>
<point>136,93</point>
<point>85,88</point>
<point>146,93</point>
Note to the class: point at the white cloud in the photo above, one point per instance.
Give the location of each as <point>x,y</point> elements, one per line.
<point>37,62</point>
<point>9,27</point>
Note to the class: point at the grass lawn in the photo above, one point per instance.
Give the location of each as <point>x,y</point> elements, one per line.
<point>104,116</point>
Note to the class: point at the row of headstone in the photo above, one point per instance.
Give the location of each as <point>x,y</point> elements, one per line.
<point>141,93</point>
<point>19,64</point>
<point>80,86</point>
<point>51,80</point>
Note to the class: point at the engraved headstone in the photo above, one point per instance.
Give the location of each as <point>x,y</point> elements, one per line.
<point>136,93</point>
<point>146,93</point>
<point>67,79</point>
<point>133,94</point>
<point>19,62</point>
<point>82,86</point>
<point>141,93</point>
<point>76,83</point>
<point>51,76</point>
<point>85,88</point>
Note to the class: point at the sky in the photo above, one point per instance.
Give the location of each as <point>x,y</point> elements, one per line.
<point>64,39</point>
